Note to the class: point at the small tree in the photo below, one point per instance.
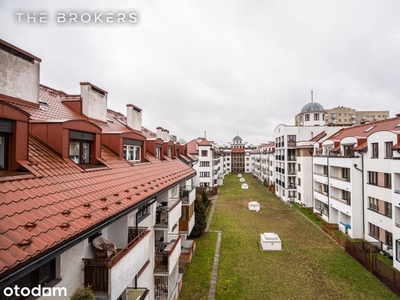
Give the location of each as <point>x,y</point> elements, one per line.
<point>204,198</point>
<point>83,293</point>
<point>200,219</point>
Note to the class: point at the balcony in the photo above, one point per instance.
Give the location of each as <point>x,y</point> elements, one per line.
<point>168,213</point>
<point>344,201</point>
<point>101,273</point>
<point>137,294</point>
<point>167,256</point>
<point>188,194</point>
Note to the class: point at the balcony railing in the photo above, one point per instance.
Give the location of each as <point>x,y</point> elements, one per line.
<point>340,178</point>
<point>163,253</point>
<point>136,294</point>
<point>96,269</point>
<point>344,201</point>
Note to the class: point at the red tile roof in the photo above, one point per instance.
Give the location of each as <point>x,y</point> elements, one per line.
<point>32,211</point>
<point>365,130</point>
<point>60,201</point>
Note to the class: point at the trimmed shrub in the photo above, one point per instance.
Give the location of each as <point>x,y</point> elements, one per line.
<point>83,293</point>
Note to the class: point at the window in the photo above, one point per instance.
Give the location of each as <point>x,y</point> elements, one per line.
<point>132,153</point>
<point>79,152</point>
<point>41,276</point>
<point>372,177</point>
<point>346,195</point>
<point>204,164</point>
<point>204,153</point>
<point>298,181</point>
<point>326,170</point>
<point>204,174</point>
<point>375,150</point>
<point>6,128</point>
<point>299,196</point>
<point>170,151</point>
<point>346,173</point>
<point>158,151</point>
<point>80,147</point>
<point>373,204</point>
<point>298,167</point>
<point>3,151</point>
<point>388,150</point>
<point>387,180</point>
<point>374,230</point>
<point>143,212</point>
<point>389,238</point>
<point>388,209</point>
<point>316,117</point>
<point>348,150</point>
<point>307,117</point>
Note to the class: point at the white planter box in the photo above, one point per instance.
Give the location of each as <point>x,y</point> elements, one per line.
<point>270,241</point>
<point>253,205</point>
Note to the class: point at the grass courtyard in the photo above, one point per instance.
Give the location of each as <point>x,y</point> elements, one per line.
<point>311,266</point>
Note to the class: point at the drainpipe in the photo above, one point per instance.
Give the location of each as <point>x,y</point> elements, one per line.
<point>362,190</point>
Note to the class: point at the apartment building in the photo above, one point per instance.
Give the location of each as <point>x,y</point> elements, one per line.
<point>294,146</point>
<point>85,197</point>
<point>356,179</point>
<point>209,166</point>
<point>237,156</point>
<point>346,116</point>
<point>263,163</point>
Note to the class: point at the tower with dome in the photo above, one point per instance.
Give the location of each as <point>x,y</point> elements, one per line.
<point>312,114</point>
<point>237,155</point>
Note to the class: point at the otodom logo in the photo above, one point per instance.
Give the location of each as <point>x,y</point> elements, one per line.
<point>37,291</point>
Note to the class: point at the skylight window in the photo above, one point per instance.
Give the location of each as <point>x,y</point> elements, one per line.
<point>369,128</point>
<point>109,120</point>
<point>41,101</point>
<point>119,120</point>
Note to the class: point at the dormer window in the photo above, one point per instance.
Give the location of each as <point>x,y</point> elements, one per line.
<point>80,145</point>
<point>158,151</point>
<point>3,151</point>
<point>6,128</point>
<point>132,150</point>
<point>132,153</point>
<point>169,151</point>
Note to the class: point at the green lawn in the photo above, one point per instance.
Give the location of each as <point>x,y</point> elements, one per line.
<point>310,266</point>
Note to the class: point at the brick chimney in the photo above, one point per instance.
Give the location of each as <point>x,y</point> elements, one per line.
<point>134,117</point>
<point>19,73</point>
<point>94,101</point>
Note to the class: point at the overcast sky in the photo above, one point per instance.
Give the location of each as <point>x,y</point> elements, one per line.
<point>220,67</point>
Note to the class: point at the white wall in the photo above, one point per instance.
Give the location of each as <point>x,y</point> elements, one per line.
<point>19,78</point>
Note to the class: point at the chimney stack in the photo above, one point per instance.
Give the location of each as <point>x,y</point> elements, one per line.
<point>20,73</point>
<point>134,117</point>
<point>160,132</point>
<point>165,135</point>
<point>94,101</point>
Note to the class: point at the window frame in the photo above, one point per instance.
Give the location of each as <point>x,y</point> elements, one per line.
<point>375,150</point>
<point>388,150</point>
<point>4,158</point>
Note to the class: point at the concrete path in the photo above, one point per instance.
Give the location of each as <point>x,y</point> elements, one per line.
<point>214,275</point>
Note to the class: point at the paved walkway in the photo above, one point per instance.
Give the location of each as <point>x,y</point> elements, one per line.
<point>214,275</point>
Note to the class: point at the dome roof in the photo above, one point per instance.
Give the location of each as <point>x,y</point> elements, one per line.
<point>237,138</point>
<point>312,106</point>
